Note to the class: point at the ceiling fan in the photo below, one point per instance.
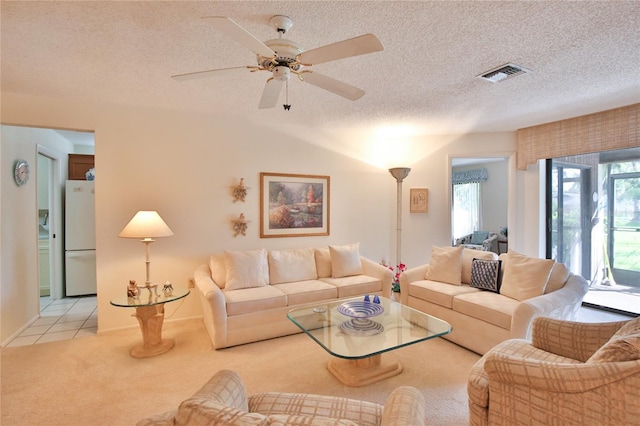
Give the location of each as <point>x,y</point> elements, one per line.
<point>284,57</point>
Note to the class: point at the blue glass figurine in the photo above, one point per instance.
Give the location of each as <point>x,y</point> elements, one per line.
<point>376,299</point>
<point>366,298</point>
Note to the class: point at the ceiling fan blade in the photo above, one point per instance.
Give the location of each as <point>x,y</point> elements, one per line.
<point>332,85</point>
<point>204,74</point>
<point>271,93</point>
<point>239,34</point>
<point>361,45</point>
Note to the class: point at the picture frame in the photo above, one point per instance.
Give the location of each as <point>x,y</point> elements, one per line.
<point>294,205</point>
<point>419,200</point>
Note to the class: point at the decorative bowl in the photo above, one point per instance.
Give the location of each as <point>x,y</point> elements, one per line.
<point>360,309</point>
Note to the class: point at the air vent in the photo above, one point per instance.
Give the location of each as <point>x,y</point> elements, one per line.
<point>503,72</point>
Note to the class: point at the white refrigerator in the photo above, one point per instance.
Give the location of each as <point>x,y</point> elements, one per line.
<point>80,238</point>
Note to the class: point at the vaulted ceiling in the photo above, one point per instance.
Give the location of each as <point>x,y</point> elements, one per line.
<point>583,56</point>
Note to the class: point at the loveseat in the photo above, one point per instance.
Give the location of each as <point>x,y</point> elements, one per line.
<point>223,400</point>
<point>488,298</point>
<point>479,240</point>
<point>570,373</point>
<point>246,295</point>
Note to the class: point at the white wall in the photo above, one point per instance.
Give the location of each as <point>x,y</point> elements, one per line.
<point>183,165</point>
<point>19,286</point>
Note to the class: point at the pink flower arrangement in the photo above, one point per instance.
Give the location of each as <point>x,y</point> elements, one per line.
<point>395,286</point>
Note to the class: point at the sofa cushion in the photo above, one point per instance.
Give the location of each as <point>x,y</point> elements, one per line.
<point>323,262</point>
<point>310,291</point>
<point>247,300</point>
<point>203,411</point>
<point>345,260</point>
<point>297,420</point>
<point>437,292</point>
<point>559,275</point>
<point>487,306</point>
<point>467,262</point>
<point>246,269</point>
<point>485,274</point>
<point>355,285</point>
<point>287,266</point>
<point>525,277</point>
<point>624,345</point>
<point>478,237</point>
<point>218,270</point>
<point>360,412</point>
<point>445,265</point>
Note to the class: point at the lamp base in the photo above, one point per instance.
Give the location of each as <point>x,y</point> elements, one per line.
<point>149,287</point>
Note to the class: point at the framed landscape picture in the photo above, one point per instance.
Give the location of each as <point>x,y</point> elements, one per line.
<point>293,205</point>
<point>418,200</point>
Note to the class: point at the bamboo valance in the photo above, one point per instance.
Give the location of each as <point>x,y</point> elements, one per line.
<point>603,131</point>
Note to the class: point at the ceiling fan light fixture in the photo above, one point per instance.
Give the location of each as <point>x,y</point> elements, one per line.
<point>503,72</point>
<point>282,73</point>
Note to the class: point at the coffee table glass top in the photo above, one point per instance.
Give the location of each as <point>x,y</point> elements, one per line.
<point>352,328</point>
<point>146,298</point>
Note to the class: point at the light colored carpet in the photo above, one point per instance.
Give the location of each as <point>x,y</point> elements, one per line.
<point>94,381</point>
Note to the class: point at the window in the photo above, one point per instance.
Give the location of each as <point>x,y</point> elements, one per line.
<point>466,209</point>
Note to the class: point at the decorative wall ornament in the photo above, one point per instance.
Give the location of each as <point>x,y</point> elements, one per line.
<point>240,225</point>
<point>239,191</point>
<point>419,200</point>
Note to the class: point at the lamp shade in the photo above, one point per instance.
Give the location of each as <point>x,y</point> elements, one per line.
<point>400,173</point>
<point>146,224</point>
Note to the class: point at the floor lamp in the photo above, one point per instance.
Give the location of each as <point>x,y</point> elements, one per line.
<point>146,225</point>
<point>399,173</point>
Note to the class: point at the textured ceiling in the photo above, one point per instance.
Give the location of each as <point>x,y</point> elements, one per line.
<point>585,57</point>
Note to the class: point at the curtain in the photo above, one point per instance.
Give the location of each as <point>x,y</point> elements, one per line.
<point>467,216</point>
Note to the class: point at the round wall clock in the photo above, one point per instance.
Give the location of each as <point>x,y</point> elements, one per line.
<point>21,172</point>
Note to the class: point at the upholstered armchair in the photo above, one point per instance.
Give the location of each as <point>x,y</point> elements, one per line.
<point>223,400</point>
<point>569,374</point>
<point>479,240</point>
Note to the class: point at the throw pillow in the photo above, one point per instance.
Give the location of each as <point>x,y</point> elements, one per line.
<point>287,266</point>
<point>478,237</point>
<point>631,327</point>
<point>345,260</point>
<point>323,262</point>
<point>246,269</point>
<point>618,349</point>
<point>467,261</point>
<point>559,275</point>
<point>218,270</point>
<point>525,277</point>
<point>485,274</point>
<point>445,265</point>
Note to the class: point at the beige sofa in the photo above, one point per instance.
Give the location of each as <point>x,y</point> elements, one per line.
<point>246,295</point>
<point>571,373</point>
<point>480,318</point>
<point>223,400</point>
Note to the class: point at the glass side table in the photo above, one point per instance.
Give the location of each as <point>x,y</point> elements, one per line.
<point>150,315</point>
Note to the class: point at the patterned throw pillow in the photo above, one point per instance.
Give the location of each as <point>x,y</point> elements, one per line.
<point>485,274</point>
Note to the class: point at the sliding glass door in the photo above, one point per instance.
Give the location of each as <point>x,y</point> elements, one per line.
<point>593,224</point>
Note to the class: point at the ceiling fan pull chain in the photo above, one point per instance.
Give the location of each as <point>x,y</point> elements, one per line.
<point>286,106</point>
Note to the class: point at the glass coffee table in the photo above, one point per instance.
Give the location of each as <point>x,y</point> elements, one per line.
<point>357,333</point>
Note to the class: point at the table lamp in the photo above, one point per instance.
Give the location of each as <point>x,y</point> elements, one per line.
<point>146,225</point>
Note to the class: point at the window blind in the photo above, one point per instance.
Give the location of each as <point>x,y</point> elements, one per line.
<point>603,131</point>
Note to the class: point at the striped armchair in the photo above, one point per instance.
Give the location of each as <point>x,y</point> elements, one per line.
<point>223,400</point>
<point>569,374</point>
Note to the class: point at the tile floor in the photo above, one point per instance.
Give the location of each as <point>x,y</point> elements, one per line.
<point>61,320</point>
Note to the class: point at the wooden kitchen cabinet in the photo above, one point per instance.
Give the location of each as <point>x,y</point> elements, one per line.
<point>79,165</point>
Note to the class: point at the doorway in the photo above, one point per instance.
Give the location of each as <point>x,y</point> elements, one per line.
<point>49,223</point>
<point>593,224</point>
